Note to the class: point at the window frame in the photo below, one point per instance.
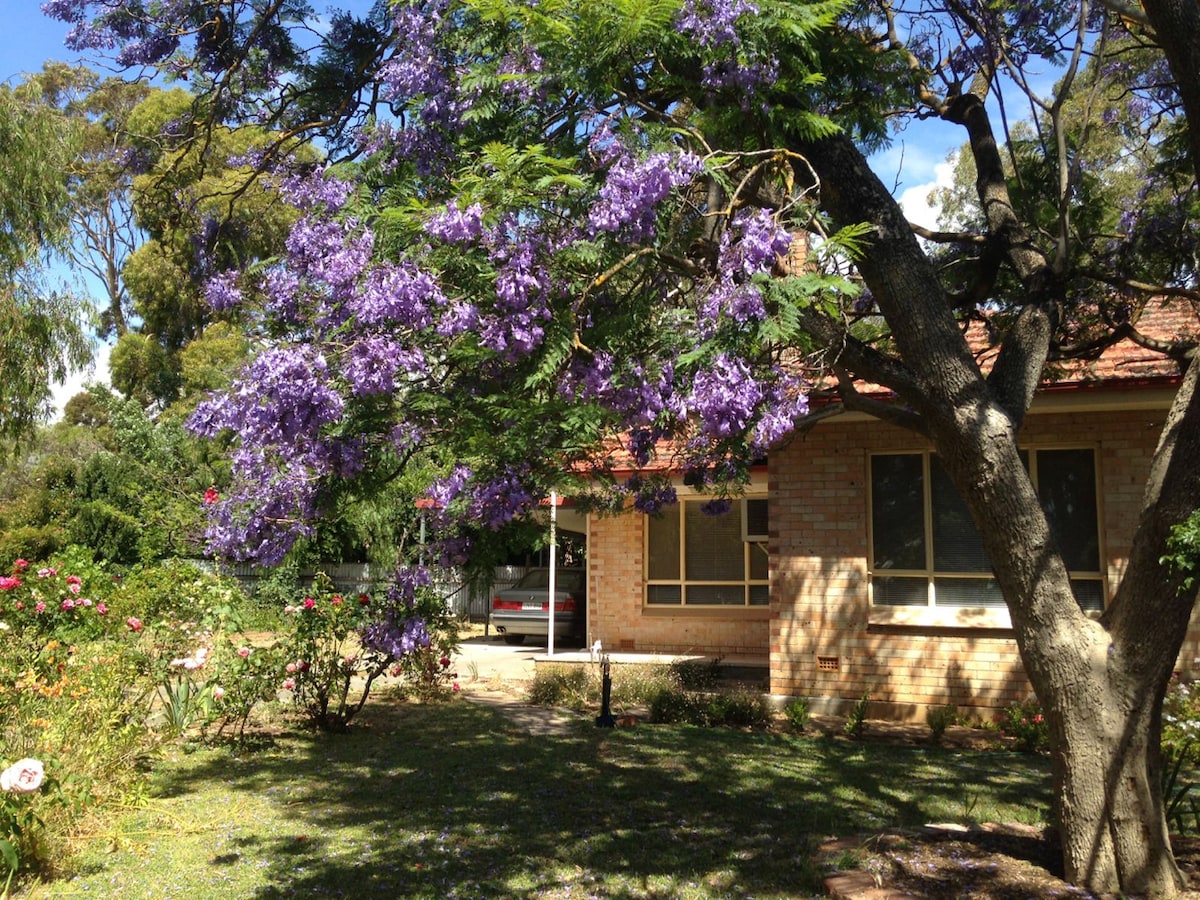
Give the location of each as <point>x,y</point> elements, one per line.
<point>750,544</point>
<point>981,615</point>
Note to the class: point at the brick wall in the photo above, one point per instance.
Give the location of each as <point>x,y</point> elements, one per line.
<point>820,642</point>
<point>822,645</point>
<point>619,619</point>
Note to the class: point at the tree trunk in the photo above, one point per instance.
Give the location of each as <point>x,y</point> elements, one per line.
<point>1107,783</point>
<point>1100,682</point>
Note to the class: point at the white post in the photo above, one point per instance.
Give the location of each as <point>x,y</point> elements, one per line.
<point>553,554</point>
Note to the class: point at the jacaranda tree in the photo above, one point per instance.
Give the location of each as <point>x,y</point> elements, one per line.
<point>556,226</point>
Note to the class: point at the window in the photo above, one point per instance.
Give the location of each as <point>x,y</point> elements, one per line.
<point>697,559</point>
<point>925,551</point>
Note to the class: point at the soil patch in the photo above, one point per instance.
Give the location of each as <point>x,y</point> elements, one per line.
<point>988,862</point>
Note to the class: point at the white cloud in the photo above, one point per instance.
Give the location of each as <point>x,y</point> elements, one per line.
<point>915,200</point>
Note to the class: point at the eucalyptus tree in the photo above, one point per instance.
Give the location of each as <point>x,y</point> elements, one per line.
<point>99,178</point>
<point>561,229</point>
<point>41,335</point>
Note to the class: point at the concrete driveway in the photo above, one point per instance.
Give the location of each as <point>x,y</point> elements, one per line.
<point>484,659</point>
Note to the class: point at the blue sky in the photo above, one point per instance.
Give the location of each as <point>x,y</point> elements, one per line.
<point>28,39</point>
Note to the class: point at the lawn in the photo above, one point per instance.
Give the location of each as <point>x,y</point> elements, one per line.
<point>453,801</point>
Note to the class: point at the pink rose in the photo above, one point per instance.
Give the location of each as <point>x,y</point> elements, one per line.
<point>101,609</point>
<point>243,652</point>
<point>18,606</point>
<point>457,687</point>
<point>23,777</point>
<point>40,607</point>
<point>47,572</point>
<point>8,582</point>
<point>218,693</point>
<point>309,602</point>
<point>290,668</point>
<point>134,623</point>
<point>73,579</point>
<point>21,564</point>
<point>289,684</point>
<point>68,604</point>
<point>74,588</point>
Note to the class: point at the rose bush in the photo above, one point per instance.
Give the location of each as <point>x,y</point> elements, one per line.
<point>337,647</point>
<point>18,821</point>
<point>54,601</point>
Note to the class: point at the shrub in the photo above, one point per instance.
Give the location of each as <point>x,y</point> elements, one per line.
<point>797,713</point>
<point>1026,724</point>
<point>674,705</point>
<point>113,533</point>
<point>1181,753</point>
<point>574,687</point>
<point>44,603</point>
<point>939,718</point>
<point>406,631</point>
<point>737,710</point>
<point>856,721</point>
<point>181,595</point>
<point>696,676</point>
<point>81,709</point>
<point>31,542</point>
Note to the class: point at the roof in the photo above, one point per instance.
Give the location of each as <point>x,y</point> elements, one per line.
<point>1127,362</point>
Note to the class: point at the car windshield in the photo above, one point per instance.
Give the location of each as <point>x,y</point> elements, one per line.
<point>565,580</point>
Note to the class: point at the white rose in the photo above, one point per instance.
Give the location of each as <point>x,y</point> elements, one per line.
<point>23,777</point>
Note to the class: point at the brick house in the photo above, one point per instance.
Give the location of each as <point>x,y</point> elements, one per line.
<point>851,566</point>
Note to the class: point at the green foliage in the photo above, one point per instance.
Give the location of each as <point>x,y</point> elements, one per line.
<point>797,713</point>
<point>41,337</point>
<point>691,675</point>
<point>710,709</point>
<point>31,542</point>
<point>131,488</point>
<point>114,534</point>
<point>574,687</point>
<point>856,720</point>
<point>1027,725</point>
<point>183,702</point>
<point>1181,754</point>
<point>1184,552</point>
<point>139,366</point>
<point>939,718</point>
<point>331,675</point>
<point>680,693</point>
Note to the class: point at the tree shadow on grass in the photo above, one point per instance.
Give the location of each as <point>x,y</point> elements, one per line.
<point>452,801</point>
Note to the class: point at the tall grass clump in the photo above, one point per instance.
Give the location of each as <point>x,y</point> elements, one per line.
<point>684,692</point>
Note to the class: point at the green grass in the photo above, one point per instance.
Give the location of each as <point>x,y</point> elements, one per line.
<point>453,801</point>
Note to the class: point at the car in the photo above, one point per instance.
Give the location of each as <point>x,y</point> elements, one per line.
<point>523,609</point>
